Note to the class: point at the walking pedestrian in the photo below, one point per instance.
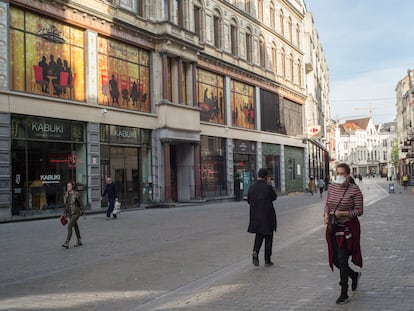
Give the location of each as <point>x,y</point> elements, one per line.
<point>321,186</point>
<point>345,201</point>
<point>110,190</point>
<point>405,181</point>
<point>262,215</point>
<point>312,185</point>
<point>72,210</point>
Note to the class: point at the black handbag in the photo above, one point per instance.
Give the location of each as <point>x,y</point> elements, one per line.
<point>332,221</point>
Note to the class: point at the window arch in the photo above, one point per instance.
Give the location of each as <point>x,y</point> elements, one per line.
<point>234,39</point>
<point>249,45</point>
<point>217,29</point>
<point>262,52</point>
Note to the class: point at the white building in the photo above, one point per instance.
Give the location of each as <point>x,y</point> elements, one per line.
<point>358,144</point>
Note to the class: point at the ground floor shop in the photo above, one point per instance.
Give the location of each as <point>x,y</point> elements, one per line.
<point>47,153</point>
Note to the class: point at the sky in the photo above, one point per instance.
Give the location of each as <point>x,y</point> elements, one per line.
<point>368,46</point>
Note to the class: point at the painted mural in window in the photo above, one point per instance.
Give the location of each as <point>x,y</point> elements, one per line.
<point>210,88</point>
<point>124,78</point>
<point>243,105</point>
<point>46,56</point>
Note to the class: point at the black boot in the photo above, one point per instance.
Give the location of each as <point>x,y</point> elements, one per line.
<point>255,258</point>
<point>343,299</point>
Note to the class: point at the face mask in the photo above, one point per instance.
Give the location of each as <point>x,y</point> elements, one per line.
<point>340,179</point>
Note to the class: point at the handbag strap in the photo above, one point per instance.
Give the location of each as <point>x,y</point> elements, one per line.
<point>341,199</point>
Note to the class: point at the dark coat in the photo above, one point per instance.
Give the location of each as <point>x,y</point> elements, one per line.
<point>262,213</point>
<point>110,189</point>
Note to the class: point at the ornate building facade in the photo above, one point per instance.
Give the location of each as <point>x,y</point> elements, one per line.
<point>176,100</point>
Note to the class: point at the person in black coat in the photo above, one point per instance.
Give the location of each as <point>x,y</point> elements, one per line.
<point>110,190</point>
<point>262,215</point>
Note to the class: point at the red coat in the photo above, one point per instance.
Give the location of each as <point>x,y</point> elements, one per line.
<point>353,244</point>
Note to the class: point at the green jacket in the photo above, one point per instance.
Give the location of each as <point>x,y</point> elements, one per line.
<point>73,203</point>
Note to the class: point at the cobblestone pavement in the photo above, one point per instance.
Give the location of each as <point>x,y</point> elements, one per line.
<point>198,258</point>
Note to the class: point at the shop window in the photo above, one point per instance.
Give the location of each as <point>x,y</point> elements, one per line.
<point>213,167</point>
<point>124,76</point>
<point>46,155</point>
<point>47,56</point>
<point>210,90</point>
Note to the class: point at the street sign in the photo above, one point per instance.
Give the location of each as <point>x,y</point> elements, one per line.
<point>314,131</point>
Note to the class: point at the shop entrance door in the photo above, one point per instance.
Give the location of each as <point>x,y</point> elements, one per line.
<point>124,169</point>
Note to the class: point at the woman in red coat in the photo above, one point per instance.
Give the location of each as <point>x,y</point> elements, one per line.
<point>262,215</point>
<point>345,200</point>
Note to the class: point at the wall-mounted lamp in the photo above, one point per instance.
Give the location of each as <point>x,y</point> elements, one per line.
<point>104,111</point>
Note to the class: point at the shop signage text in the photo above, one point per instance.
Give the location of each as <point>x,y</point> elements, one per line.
<point>50,178</point>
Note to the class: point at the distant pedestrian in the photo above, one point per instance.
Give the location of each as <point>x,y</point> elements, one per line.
<point>405,181</point>
<point>312,185</point>
<point>345,201</point>
<point>262,216</point>
<point>360,178</point>
<point>110,190</point>
<point>321,186</point>
<point>73,208</point>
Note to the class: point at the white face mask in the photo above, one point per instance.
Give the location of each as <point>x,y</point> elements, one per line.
<point>340,179</point>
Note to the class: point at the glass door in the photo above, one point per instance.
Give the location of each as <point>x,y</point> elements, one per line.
<point>125,174</point>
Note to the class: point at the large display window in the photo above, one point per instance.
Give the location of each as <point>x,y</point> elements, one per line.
<point>210,88</point>
<point>213,167</point>
<point>46,155</point>
<point>46,56</point>
<point>243,105</point>
<point>124,72</point>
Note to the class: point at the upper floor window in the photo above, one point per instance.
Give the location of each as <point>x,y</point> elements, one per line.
<point>283,58</point>
<point>262,53</point>
<point>135,6</point>
<point>217,30</point>
<point>272,16</point>
<point>249,43</point>
<point>197,20</point>
<point>260,10</point>
<point>248,6</point>
<point>274,58</point>
<point>281,23</point>
<point>234,38</point>
<point>290,36</point>
<point>297,35</point>
<point>177,13</point>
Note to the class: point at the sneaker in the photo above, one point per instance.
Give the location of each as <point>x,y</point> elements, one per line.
<point>114,216</point>
<point>255,258</point>
<point>78,244</point>
<point>65,245</point>
<point>108,218</point>
<point>355,280</point>
<point>343,299</point>
<point>269,264</point>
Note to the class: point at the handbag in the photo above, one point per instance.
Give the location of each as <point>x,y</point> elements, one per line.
<point>63,220</point>
<point>332,220</point>
<point>332,223</point>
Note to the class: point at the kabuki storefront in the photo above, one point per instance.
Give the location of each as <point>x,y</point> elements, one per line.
<point>46,155</point>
